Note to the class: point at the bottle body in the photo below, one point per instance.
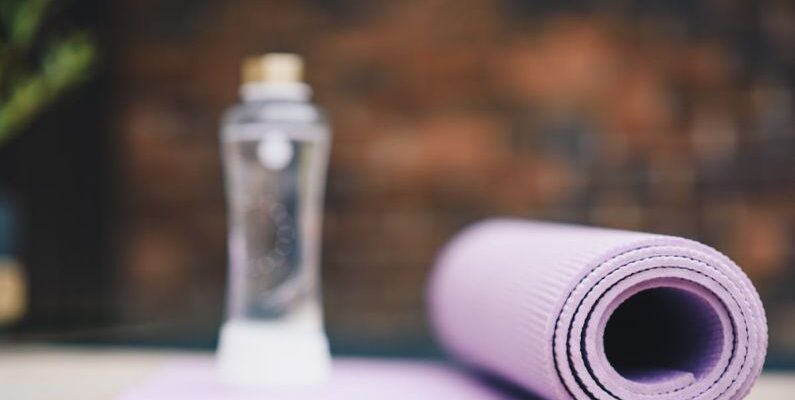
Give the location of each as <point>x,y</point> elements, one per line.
<point>275,148</point>
<point>275,155</point>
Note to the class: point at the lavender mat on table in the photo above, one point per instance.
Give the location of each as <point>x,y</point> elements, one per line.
<point>197,379</point>
<point>575,312</point>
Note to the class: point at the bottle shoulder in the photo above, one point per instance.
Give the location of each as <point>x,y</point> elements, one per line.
<point>275,111</point>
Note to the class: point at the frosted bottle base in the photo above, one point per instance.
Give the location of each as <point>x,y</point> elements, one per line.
<point>266,354</point>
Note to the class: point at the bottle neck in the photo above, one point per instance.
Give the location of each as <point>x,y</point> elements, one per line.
<point>296,91</point>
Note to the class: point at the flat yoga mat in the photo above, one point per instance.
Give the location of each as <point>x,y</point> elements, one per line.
<point>352,379</point>
<point>574,312</point>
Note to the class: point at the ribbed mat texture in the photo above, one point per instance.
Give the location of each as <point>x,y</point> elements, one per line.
<point>586,313</point>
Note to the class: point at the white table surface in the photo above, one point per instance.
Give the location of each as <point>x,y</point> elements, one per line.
<point>47,373</point>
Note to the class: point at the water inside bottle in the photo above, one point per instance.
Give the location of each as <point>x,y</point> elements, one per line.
<point>274,202</point>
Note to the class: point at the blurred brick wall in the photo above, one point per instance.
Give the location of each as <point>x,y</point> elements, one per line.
<point>670,118</point>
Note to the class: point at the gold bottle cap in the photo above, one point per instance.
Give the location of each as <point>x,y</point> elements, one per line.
<point>273,67</point>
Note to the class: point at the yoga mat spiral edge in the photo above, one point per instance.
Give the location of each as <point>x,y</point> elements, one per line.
<point>570,312</point>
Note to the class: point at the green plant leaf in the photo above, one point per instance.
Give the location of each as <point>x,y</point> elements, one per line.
<point>66,63</point>
<point>28,17</point>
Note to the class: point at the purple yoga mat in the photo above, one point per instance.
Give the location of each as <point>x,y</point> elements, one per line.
<point>352,379</point>
<point>574,312</point>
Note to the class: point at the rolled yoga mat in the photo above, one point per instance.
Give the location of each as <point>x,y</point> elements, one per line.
<point>574,312</point>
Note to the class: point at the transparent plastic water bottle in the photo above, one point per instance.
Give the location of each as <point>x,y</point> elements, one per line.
<point>275,146</point>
